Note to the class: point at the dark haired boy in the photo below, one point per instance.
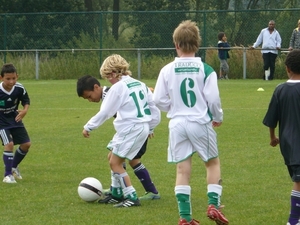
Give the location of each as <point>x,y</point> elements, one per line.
<point>284,110</point>
<point>12,129</point>
<point>223,48</point>
<point>88,87</point>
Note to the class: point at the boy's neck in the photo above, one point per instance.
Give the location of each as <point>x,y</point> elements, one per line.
<point>187,55</point>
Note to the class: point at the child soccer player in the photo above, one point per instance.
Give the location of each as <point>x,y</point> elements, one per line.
<point>132,101</point>
<point>12,130</point>
<point>223,55</point>
<point>89,88</point>
<point>187,90</point>
<point>284,110</point>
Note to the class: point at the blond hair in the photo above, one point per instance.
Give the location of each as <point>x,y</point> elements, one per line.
<point>187,36</point>
<point>114,65</point>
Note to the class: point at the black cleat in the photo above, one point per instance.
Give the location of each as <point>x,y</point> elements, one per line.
<point>128,203</point>
<point>109,199</point>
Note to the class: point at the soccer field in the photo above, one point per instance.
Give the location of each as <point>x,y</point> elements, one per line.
<point>256,185</point>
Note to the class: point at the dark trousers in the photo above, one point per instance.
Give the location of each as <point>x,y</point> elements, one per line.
<point>269,62</point>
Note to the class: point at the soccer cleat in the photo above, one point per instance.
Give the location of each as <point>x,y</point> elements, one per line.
<point>106,192</point>
<point>192,222</point>
<point>295,224</point>
<point>16,173</point>
<point>150,196</point>
<point>216,215</point>
<point>109,199</point>
<point>128,203</point>
<point>9,179</point>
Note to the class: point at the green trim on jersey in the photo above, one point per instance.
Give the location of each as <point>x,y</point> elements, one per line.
<point>133,84</point>
<point>207,71</point>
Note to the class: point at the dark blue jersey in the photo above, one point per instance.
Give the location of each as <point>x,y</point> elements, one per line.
<point>9,103</point>
<point>284,110</point>
<point>223,53</point>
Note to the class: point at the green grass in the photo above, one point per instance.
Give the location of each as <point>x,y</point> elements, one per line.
<point>256,185</point>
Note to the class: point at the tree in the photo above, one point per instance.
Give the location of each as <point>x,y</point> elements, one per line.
<point>115,23</point>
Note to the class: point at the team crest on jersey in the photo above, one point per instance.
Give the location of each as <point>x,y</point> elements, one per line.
<point>16,101</point>
<point>2,103</point>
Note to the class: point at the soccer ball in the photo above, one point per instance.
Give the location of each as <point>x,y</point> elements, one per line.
<point>90,189</point>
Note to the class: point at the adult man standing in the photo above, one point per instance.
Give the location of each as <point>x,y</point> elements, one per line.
<point>271,42</point>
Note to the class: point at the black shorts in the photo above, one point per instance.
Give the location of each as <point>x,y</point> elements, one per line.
<point>294,172</point>
<point>16,135</point>
<point>142,150</point>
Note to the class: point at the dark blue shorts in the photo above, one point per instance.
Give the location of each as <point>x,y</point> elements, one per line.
<point>294,172</point>
<point>142,150</point>
<point>16,135</point>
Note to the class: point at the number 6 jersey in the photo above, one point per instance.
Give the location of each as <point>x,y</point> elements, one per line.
<point>188,87</point>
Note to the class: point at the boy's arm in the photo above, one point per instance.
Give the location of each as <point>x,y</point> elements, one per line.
<point>22,113</point>
<point>274,140</point>
<point>108,109</point>
<point>25,101</point>
<point>211,93</point>
<point>160,95</point>
<point>155,112</point>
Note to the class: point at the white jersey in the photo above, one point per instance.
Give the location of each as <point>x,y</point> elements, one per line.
<point>132,101</point>
<point>188,87</point>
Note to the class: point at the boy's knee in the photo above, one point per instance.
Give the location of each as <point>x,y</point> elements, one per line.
<point>25,147</point>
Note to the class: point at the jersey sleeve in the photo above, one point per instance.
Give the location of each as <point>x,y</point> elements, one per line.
<point>108,109</point>
<point>212,95</point>
<point>160,96</point>
<point>155,112</point>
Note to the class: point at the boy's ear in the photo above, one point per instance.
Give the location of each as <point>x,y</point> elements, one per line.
<point>96,86</point>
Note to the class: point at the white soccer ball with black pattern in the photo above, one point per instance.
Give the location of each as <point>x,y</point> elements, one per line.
<point>90,189</point>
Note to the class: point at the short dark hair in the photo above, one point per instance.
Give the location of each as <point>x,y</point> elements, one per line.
<point>221,35</point>
<point>8,68</point>
<point>292,61</point>
<point>86,83</point>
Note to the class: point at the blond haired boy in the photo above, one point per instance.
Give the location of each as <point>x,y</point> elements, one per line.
<point>187,90</point>
<point>136,118</point>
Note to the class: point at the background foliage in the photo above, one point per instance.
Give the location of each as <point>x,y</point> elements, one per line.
<point>109,25</point>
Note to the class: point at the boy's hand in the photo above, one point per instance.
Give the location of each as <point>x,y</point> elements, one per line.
<point>20,116</point>
<point>274,141</point>
<point>216,124</point>
<point>85,133</point>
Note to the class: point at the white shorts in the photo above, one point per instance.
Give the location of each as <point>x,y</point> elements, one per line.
<point>128,141</point>
<point>189,137</point>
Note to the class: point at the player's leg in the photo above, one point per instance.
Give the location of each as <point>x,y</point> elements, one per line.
<point>121,175</point>
<point>21,137</point>
<point>128,145</point>
<point>108,191</point>
<point>294,216</point>
<point>114,194</point>
<point>8,155</point>
<point>183,191</point>
<point>143,175</point>
<point>213,171</point>
<point>180,152</point>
